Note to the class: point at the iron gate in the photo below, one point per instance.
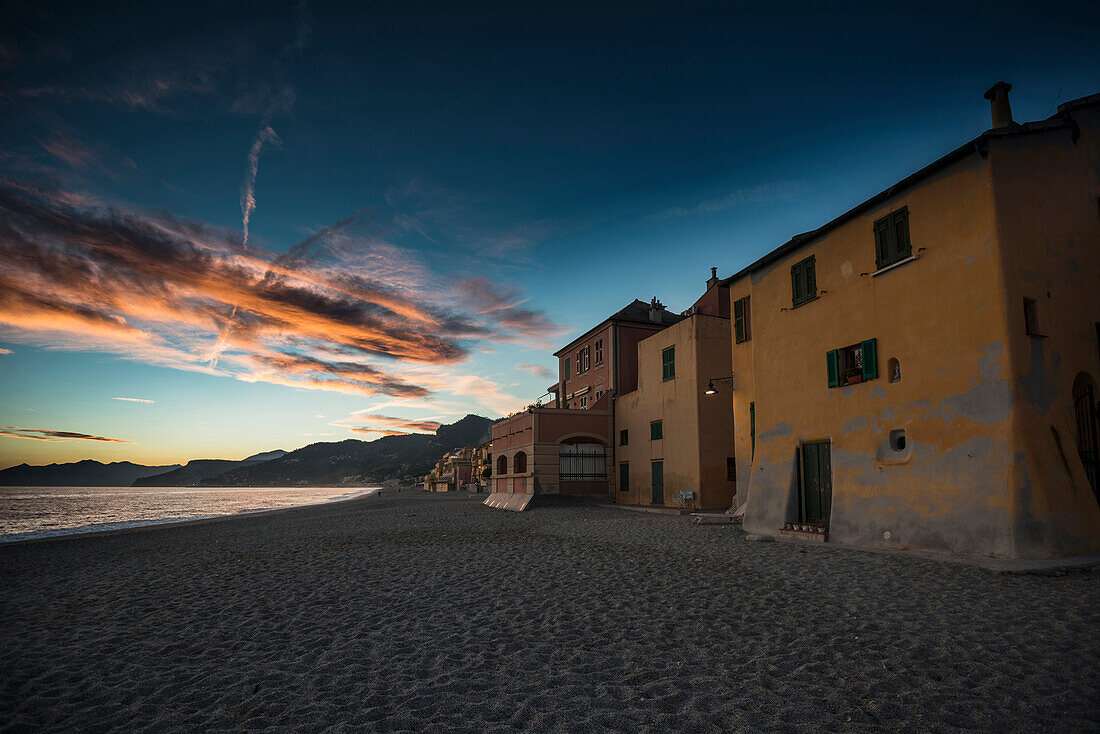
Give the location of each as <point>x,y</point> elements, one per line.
<point>582,461</point>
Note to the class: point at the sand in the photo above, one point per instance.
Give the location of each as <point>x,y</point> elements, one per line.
<point>431,612</point>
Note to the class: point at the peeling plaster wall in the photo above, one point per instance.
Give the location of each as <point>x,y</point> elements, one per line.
<point>980,401</point>
<point>943,317</point>
<point>1047,189</point>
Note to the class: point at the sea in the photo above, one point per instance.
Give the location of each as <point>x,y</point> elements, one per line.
<point>38,512</point>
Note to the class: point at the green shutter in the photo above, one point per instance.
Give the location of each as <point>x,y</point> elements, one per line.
<point>882,243</point>
<point>739,319</point>
<point>811,279</point>
<point>796,269</point>
<point>870,360</point>
<point>748,317</point>
<point>832,363</point>
<point>902,248</point>
<point>752,428</point>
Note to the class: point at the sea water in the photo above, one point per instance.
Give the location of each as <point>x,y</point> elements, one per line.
<point>35,512</point>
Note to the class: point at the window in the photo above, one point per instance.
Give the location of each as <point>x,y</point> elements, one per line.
<point>624,477</point>
<point>520,463</point>
<point>584,403</point>
<point>668,363</point>
<point>1031,317</point>
<point>583,357</point>
<point>803,281</point>
<point>599,394</point>
<point>565,371</point>
<point>502,465</point>
<point>852,364</point>
<point>656,431</point>
<point>892,238</point>
<point>731,469</point>
<point>742,324</point>
<point>624,437</point>
<point>599,351</point>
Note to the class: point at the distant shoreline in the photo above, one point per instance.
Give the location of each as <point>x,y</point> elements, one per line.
<point>124,527</point>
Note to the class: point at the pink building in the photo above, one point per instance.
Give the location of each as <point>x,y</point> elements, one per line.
<point>566,448</point>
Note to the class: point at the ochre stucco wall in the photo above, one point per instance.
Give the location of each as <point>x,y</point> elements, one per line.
<point>1047,189</point>
<point>942,317</point>
<point>981,473</point>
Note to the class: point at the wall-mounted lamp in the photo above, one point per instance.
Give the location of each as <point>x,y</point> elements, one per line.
<point>711,389</point>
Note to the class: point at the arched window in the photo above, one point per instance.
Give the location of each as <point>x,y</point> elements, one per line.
<point>502,465</point>
<point>519,463</point>
<point>1088,426</point>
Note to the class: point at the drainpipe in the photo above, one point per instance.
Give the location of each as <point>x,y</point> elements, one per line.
<point>614,399</point>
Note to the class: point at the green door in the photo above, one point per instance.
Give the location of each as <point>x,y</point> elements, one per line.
<point>817,483</point>
<point>658,468</point>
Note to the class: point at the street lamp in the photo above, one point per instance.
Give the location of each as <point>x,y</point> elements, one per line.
<point>711,389</point>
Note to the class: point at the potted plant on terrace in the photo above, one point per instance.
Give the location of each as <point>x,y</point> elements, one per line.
<point>853,375</point>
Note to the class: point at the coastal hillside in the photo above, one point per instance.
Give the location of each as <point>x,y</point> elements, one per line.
<point>359,462</point>
<point>198,471</point>
<point>85,473</point>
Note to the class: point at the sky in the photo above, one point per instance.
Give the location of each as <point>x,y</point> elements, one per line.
<point>228,228</point>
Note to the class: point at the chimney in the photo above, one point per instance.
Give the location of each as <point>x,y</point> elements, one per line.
<point>999,108</point>
<point>713,277</point>
<point>656,308</point>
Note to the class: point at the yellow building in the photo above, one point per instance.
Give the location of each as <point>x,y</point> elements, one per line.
<point>670,437</point>
<point>921,371</point>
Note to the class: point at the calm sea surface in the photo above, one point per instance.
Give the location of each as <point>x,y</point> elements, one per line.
<point>33,512</point>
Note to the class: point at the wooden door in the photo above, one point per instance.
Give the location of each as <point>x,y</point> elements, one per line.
<point>658,468</point>
<point>817,483</point>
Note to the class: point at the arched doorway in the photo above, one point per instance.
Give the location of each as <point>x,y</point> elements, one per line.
<point>519,463</point>
<point>502,466</point>
<point>1088,443</point>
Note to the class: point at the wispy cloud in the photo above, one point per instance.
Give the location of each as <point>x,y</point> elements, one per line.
<point>743,197</point>
<point>5,351</point>
<point>248,188</point>
<point>537,370</point>
<point>135,400</point>
<point>42,434</point>
<point>344,310</point>
<point>389,426</point>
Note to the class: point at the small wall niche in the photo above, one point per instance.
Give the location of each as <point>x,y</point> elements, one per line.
<point>893,369</point>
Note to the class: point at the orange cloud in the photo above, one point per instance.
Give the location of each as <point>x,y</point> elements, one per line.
<point>337,312</point>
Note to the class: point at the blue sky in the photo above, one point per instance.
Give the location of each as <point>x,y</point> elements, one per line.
<point>474,185</point>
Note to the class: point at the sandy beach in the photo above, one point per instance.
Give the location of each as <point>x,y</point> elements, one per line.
<point>414,612</point>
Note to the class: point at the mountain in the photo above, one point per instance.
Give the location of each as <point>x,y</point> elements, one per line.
<point>85,473</point>
<point>359,462</point>
<point>198,471</point>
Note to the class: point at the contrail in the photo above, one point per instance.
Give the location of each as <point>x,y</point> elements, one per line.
<point>281,101</point>
<point>248,189</point>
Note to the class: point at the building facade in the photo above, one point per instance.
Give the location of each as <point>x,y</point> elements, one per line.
<point>921,372</point>
<point>566,447</point>
<point>671,436</point>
